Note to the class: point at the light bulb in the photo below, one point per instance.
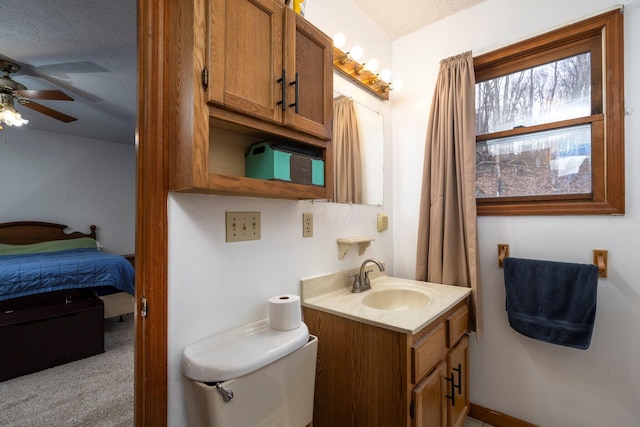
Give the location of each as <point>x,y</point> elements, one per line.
<point>356,53</point>
<point>10,117</point>
<point>372,65</point>
<point>339,40</point>
<point>19,121</point>
<point>385,74</point>
<point>397,85</point>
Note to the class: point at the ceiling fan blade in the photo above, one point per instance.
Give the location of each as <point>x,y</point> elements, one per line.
<point>54,95</point>
<point>49,112</point>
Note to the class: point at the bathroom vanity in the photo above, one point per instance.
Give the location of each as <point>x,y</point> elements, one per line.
<point>404,363</point>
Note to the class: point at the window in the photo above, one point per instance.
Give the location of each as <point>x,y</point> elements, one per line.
<point>550,123</point>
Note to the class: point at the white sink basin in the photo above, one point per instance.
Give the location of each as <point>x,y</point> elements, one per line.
<point>396,299</point>
<point>401,305</point>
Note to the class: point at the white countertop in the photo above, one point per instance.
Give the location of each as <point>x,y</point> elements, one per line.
<point>331,293</point>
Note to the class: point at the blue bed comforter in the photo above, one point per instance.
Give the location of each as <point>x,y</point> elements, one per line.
<point>29,274</point>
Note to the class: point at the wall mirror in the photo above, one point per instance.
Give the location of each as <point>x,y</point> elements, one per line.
<point>371,132</point>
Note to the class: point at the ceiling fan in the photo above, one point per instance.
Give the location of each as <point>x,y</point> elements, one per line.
<point>10,90</point>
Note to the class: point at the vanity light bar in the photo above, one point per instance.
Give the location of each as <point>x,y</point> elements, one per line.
<point>357,72</point>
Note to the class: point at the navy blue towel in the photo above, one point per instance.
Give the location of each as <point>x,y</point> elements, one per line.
<point>552,301</point>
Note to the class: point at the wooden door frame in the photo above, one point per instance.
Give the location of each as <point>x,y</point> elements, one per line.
<point>152,184</point>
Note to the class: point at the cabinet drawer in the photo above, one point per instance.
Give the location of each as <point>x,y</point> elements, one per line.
<point>427,352</point>
<point>457,325</point>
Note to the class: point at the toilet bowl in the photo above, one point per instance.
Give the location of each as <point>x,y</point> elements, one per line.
<point>251,376</point>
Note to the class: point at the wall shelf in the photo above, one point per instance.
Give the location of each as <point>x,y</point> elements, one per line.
<point>345,243</point>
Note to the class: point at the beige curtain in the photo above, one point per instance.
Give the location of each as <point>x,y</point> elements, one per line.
<point>347,187</point>
<point>447,230</point>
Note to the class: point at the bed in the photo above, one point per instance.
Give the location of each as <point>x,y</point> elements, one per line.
<point>56,288</point>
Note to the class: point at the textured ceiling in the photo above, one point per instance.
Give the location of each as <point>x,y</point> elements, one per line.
<point>400,17</point>
<point>87,49</point>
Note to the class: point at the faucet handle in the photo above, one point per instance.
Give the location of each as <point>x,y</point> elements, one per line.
<point>367,281</point>
<point>356,283</point>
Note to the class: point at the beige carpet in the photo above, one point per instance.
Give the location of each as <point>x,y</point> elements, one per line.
<point>97,391</point>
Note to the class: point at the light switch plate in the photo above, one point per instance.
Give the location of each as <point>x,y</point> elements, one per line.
<point>242,226</point>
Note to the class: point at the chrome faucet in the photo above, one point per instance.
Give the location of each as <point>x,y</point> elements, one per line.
<point>361,281</point>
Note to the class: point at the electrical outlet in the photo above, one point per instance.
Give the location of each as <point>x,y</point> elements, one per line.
<point>241,226</point>
<point>307,225</point>
<point>383,222</point>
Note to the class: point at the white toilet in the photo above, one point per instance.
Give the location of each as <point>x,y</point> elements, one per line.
<point>251,376</point>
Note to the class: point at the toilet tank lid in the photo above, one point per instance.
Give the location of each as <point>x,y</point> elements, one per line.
<point>240,351</point>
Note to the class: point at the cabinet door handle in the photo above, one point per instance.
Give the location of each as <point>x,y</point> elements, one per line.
<point>283,80</point>
<point>459,385</point>
<point>205,78</point>
<point>295,82</point>
<point>451,396</point>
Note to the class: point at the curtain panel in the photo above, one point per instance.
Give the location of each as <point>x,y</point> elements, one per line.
<point>447,229</point>
<point>346,152</point>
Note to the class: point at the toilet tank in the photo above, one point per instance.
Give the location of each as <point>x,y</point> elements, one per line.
<point>269,373</point>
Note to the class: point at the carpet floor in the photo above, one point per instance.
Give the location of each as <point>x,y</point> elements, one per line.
<point>96,391</point>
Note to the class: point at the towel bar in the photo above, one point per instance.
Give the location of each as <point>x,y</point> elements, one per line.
<point>503,251</point>
<point>600,258</point>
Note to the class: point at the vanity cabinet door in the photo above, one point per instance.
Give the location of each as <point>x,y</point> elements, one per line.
<point>458,372</point>
<point>429,406</point>
<point>245,56</point>
<point>309,69</point>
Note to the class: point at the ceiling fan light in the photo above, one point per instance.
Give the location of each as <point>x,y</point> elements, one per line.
<point>5,117</point>
<point>19,121</point>
<point>11,117</point>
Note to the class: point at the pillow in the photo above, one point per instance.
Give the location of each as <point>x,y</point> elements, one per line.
<point>51,246</point>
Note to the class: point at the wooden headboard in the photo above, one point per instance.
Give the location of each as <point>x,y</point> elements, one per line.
<point>27,232</point>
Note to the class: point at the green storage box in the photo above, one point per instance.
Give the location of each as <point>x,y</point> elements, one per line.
<point>265,160</point>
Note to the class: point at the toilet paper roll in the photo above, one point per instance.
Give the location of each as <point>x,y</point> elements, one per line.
<point>284,312</point>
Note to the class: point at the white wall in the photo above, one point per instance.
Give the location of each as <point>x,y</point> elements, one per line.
<point>69,180</point>
<point>541,383</point>
<point>214,285</point>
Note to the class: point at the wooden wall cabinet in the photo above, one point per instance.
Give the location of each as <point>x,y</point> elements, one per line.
<point>367,375</point>
<point>230,60</point>
<point>268,62</point>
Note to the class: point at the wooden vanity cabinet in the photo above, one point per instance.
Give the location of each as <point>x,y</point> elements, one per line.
<point>224,60</point>
<point>368,375</point>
